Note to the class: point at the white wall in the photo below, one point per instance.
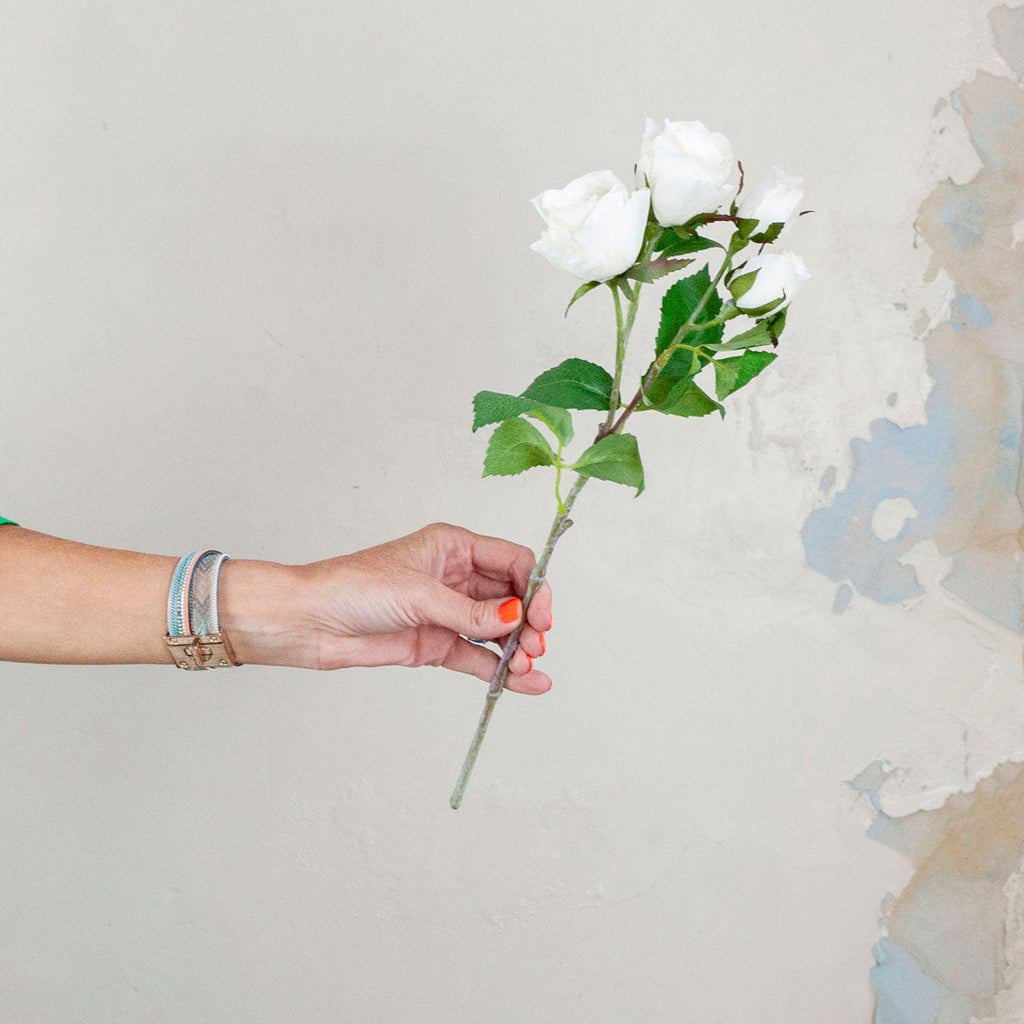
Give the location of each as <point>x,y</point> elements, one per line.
<point>255,259</point>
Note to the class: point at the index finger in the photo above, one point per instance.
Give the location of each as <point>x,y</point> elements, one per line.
<point>502,560</point>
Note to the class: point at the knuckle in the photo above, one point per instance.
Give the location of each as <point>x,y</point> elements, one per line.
<point>482,617</point>
<point>438,531</point>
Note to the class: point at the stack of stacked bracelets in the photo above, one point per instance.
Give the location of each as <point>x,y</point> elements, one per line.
<point>193,627</point>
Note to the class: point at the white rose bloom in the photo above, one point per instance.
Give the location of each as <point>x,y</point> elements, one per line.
<point>687,168</point>
<point>595,227</point>
<point>774,202</point>
<point>780,275</point>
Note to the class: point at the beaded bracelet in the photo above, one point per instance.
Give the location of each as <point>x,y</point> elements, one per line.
<point>193,627</point>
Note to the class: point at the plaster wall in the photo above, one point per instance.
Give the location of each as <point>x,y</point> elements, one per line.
<point>255,261</point>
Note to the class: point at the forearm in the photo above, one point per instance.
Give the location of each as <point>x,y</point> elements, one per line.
<point>62,602</point>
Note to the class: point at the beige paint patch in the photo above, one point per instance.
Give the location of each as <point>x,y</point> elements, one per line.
<point>954,951</point>
<point>969,229</point>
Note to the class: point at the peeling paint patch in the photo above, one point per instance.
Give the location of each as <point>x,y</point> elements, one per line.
<point>962,217</point>
<point>906,994</point>
<point>959,470</point>
<point>965,311</point>
<point>909,463</point>
<point>891,516</point>
<point>1008,29</point>
<point>950,952</point>
<point>844,595</point>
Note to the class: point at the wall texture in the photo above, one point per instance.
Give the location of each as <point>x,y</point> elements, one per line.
<point>256,259</point>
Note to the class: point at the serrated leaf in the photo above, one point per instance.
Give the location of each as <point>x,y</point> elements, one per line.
<point>573,384</point>
<point>674,243</point>
<point>558,421</point>
<point>655,269</point>
<point>732,374</point>
<point>616,458</point>
<point>579,293</point>
<point>678,306</point>
<point>514,446</point>
<point>685,398</point>
<point>494,407</point>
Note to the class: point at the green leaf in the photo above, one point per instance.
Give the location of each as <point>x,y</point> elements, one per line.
<point>514,446</point>
<point>655,269</point>
<point>678,306</point>
<point>616,458</point>
<point>777,324</point>
<point>676,242</point>
<point>579,293</point>
<point>764,332</point>
<point>745,225</point>
<point>769,235</point>
<point>740,284</point>
<point>574,384</point>
<point>732,374</point>
<point>684,398</point>
<point>493,407</point>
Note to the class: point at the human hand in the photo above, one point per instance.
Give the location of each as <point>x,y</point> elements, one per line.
<point>411,601</point>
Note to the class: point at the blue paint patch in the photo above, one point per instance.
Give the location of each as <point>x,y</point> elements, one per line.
<point>965,311</point>
<point>1011,436</point>
<point>963,216</point>
<point>897,462</point>
<point>892,399</point>
<point>990,582</point>
<point>844,595</point>
<point>906,994</point>
<point>828,479</point>
<point>871,780</point>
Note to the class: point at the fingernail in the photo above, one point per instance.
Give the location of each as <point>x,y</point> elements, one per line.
<point>551,619</point>
<point>543,644</point>
<point>510,610</point>
<point>530,660</point>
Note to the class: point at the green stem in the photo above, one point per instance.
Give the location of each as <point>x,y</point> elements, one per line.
<point>559,466</point>
<point>561,523</point>
<point>691,324</point>
<point>623,329</point>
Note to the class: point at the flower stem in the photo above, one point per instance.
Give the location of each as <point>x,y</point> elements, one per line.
<point>623,329</point>
<point>561,523</point>
<point>691,323</point>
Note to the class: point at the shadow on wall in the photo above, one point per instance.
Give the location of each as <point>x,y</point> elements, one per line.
<point>954,948</point>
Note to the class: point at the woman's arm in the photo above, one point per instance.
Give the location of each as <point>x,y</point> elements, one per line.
<point>408,602</point>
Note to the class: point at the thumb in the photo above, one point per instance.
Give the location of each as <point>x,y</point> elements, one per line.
<point>485,620</point>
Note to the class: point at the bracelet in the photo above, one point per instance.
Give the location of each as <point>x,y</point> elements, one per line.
<point>193,627</point>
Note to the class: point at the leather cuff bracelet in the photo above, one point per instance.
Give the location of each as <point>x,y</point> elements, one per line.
<point>194,637</point>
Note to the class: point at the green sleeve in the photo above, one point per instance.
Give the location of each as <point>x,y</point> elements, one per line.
<point>11,521</point>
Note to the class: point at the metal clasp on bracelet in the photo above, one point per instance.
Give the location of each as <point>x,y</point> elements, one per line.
<point>209,650</point>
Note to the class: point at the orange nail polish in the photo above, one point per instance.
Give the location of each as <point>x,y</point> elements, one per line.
<point>510,610</point>
<point>530,660</point>
<point>543,644</point>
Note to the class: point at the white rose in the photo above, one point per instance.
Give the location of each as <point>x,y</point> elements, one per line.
<point>770,280</point>
<point>774,202</point>
<point>687,168</point>
<point>594,226</point>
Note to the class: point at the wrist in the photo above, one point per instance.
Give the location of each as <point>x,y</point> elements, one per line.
<point>261,612</point>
